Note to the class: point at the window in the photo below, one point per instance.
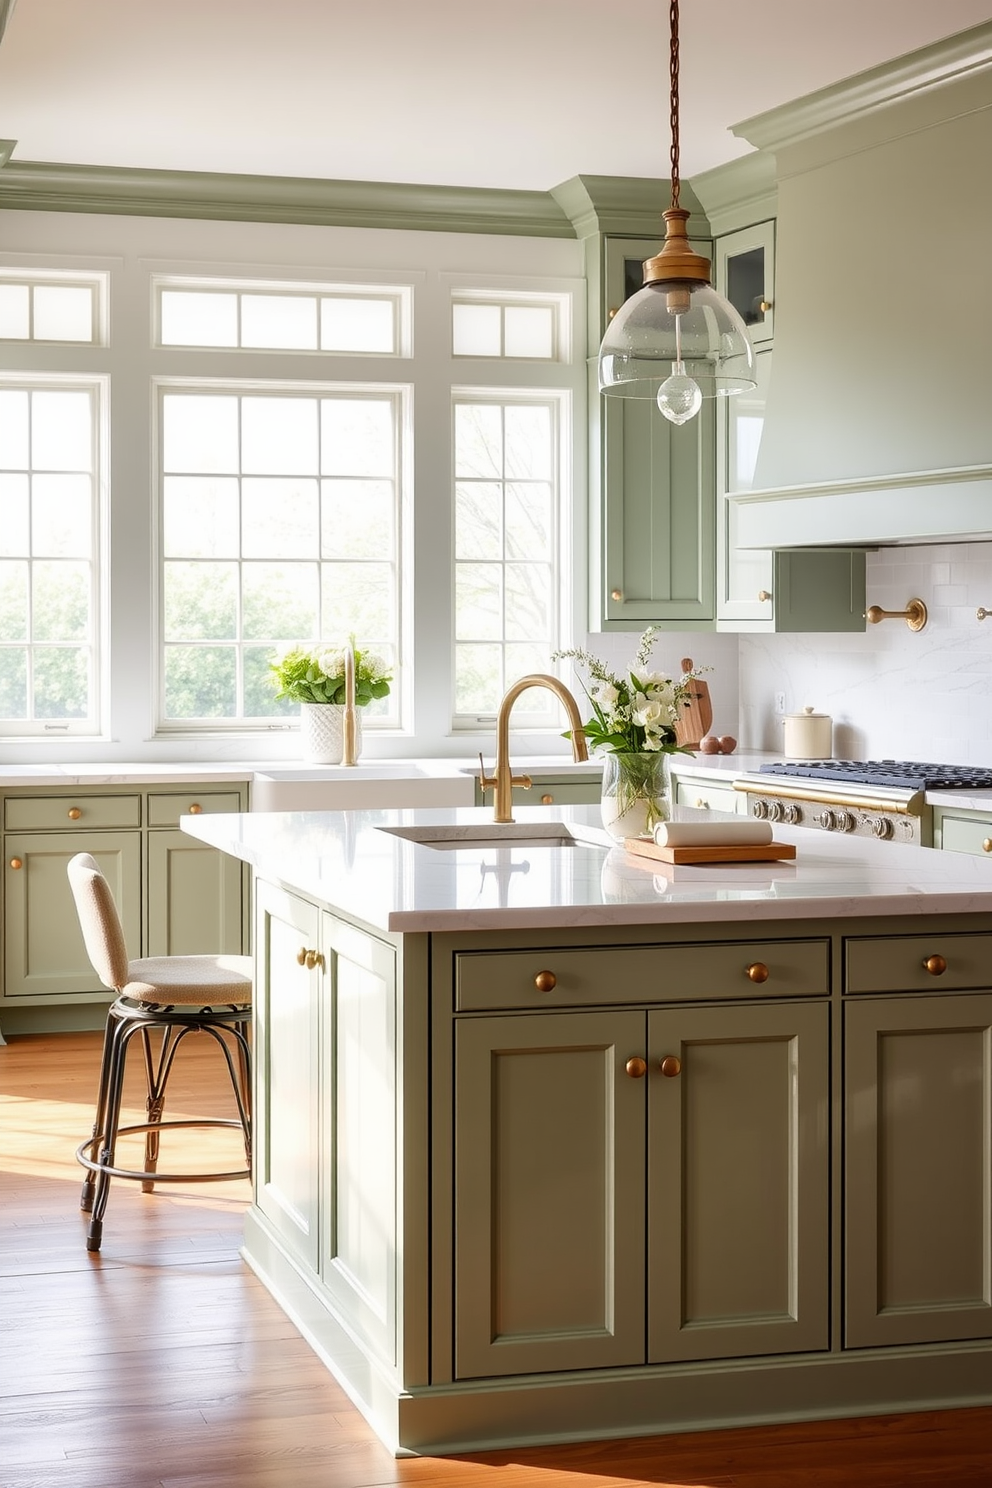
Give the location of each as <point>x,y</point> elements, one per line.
<point>345,320</point>
<point>281,521</point>
<point>528,327</point>
<point>507,502</point>
<point>52,308</point>
<point>49,548</point>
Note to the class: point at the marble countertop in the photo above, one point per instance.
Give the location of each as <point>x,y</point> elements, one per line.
<point>345,859</point>
<point>179,771</point>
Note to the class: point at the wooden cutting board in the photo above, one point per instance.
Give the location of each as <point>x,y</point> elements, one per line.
<point>755,852</point>
<point>697,712</point>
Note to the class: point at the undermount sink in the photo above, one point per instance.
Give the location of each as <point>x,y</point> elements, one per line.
<point>502,834</point>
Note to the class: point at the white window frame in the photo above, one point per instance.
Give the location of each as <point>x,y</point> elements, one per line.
<point>95,280</point>
<point>505,299</point>
<point>93,726</point>
<point>399,700</point>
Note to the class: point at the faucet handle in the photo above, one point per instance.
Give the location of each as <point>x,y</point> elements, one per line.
<point>524,781</point>
<point>486,782</point>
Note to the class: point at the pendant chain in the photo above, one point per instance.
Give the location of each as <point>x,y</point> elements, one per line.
<point>674,74</point>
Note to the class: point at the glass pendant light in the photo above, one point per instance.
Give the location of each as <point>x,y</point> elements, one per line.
<point>676,340</point>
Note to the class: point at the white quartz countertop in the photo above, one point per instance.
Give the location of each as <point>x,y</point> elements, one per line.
<point>138,773</point>
<point>346,860</point>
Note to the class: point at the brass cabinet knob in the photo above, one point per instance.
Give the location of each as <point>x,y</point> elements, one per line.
<point>301,956</point>
<point>987,845</point>
<point>74,813</point>
<point>16,863</point>
<point>636,1067</point>
<point>195,809</point>
<point>758,971</point>
<point>312,959</point>
<point>545,981</point>
<point>764,595</point>
<point>935,965</point>
<point>765,305</point>
<point>547,800</point>
<point>616,594</point>
<point>671,1066</point>
<point>700,803</point>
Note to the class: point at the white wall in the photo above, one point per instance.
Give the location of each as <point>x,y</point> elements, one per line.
<point>893,693</point>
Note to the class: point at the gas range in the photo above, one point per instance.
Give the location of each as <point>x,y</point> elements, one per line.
<point>884,799</point>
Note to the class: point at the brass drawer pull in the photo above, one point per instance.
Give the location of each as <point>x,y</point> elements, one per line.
<point>547,800</point>
<point>16,863</point>
<point>545,981</point>
<point>757,971</point>
<point>312,959</point>
<point>636,1067</point>
<point>301,956</point>
<point>935,965</point>
<point>987,845</point>
<point>195,810</point>
<point>671,1066</point>
<point>74,813</point>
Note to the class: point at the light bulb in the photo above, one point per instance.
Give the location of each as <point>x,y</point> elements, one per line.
<point>679,397</point>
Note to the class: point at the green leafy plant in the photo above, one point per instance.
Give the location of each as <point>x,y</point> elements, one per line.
<point>635,713</point>
<point>316,675</point>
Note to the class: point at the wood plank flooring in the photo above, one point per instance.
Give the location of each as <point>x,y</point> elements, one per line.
<point>163,1363</point>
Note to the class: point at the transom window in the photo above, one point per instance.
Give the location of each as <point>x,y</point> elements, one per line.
<point>51,309</point>
<point>343,320</point>
<point>507,500</point>
<point>49,598</point>
<point>526,327</point>
<point>281,523</point>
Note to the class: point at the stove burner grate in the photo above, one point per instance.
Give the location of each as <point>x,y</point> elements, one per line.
<point>897,773</point>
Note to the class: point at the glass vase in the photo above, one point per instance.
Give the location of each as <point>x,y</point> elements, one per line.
<point>636,793</point>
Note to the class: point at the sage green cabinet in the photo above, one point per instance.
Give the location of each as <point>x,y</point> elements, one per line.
<point>958,830</point>
<point>578,1247</point>
<point>744,270</point>
<point>44,958</point>
<point>704,794</point>
<point>175,895</point>
<point>654,534</point>
<point>918,1168</point>
<point>551,790</point>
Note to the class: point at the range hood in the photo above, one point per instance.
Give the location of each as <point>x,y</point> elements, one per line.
<point>878,424</point>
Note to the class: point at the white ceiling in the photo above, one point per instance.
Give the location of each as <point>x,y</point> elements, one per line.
<point>501,93</point>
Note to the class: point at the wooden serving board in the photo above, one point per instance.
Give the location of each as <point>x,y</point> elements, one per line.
<point>755,852</point>
<point>696,718</point>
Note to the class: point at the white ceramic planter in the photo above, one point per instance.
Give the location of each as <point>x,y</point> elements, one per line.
<point>322,732</point>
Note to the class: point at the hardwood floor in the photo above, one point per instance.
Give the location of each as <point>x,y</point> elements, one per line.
<point>162,1362</point>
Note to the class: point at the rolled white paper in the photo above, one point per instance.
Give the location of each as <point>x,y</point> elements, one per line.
<point>712,834</point>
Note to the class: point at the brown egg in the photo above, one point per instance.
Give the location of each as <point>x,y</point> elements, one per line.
<point>727,744</point>
<point>710,744</point>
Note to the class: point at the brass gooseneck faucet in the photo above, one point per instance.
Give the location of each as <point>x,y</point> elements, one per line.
<point>503,781</point>
<point>349,721</point>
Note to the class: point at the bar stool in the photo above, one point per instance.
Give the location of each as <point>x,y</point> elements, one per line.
<point>176,995</point>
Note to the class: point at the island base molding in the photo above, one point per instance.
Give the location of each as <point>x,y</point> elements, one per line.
<point>484,1415</point>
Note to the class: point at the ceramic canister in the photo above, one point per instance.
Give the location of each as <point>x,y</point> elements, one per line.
<point>808,735</point>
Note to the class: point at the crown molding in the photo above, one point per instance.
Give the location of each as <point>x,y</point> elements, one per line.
<point>7,148</point>
<point>45,187</point>
<point>6,11</point>
<point>965,55</point>
<point>629,206</point>
<point>740,193</point>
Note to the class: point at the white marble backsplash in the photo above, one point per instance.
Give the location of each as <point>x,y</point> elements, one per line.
<point>892,693</point>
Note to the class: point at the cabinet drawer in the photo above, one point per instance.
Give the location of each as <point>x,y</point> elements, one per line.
<point>966,835</point>
<point>899,964</point>
<point>165,810</point>
<point>70,813</point>
<point>635,974</point>
<point>708,797</point>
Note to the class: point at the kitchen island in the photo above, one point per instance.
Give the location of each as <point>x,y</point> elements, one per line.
<point>553,1142</point>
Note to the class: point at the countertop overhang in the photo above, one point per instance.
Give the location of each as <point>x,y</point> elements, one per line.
<point>345,860</point>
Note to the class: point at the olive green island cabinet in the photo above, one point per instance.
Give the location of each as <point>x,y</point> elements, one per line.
<point>556,1143</point>
<point>175,895</point>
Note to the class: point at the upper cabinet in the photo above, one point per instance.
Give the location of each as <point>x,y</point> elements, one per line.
<point>653,529</point>
<point>744,265</point>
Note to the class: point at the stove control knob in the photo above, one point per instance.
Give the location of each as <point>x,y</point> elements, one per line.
<point>792,814</point>
<point>846,821</point>
<point>759,809</point>
<point>881,827</point>
<point>825,820</point>
<point>774,810</point>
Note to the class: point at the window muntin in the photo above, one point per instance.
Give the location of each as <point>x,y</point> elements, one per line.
<point>342,320</point>
<point>507,517</point>
<point>49,548</point>
<point>51,308</point>
<point>280,524</point>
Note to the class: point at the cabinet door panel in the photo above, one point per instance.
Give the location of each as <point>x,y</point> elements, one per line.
<point>918,1169</point>
<point>549,1183</point>
<point>738,1182</point>
<point>44,954</point>
<point>287,1015</point>
<point>195,898</point>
